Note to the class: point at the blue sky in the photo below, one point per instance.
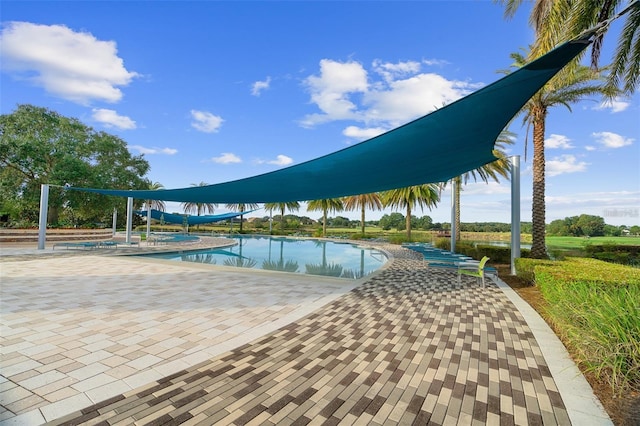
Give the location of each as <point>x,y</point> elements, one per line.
<point>217,91</point>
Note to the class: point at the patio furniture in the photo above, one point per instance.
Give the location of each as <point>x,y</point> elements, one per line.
<point>473,270</point>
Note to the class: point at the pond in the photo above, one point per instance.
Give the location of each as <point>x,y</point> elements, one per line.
<point>303,256</point>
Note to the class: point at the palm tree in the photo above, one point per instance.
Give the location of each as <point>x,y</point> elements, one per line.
<point>198,208</point>
<point>241,207</point>
<point>155,204</point>
<point>326,205</point>
<point>500,167</point>
<point>570,85</point>
<point>558,20</point>
<point>290,205</point>
<point>426,195</point>
<point>363,201</point>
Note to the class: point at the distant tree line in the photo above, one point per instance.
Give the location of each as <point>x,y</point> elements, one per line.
<point>588,226</point>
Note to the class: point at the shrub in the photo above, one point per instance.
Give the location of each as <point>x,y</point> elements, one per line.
<point>595,307</point>
<point>614,253</point>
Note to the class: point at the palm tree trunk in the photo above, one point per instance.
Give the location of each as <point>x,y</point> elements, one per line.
<point>407,222</point>
<point>241,218</point>
<point>362,220</point>
<point>538,248</point>
<point>457,212</point>
<point>324,222</point>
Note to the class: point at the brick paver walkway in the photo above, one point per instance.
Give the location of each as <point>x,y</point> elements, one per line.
<point>409,346</point>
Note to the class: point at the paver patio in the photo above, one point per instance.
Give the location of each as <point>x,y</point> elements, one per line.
<point>156,343</point>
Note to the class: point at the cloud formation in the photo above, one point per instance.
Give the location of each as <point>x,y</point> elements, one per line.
<point>611,140</point>
<point>205,121</point>
<point>259,86</point>
<point>144,150</point>
<point>565,164</point>
<point>615,105</point>
<point>70,65</point>
<point>110,118</point>
<point>393,94</point>
<point>558,141</point>
<point>226,158</point>
<point>281,160</point>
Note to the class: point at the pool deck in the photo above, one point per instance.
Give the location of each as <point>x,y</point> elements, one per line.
<point>92,338</point>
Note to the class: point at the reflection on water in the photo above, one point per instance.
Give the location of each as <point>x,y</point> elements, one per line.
<point>325,258</point>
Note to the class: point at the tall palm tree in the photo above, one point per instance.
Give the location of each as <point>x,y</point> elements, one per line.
<point>500,167</point>
<point>427,195</point>
<point>198,208</point>
<point>293,206</point>
<point>558,20</point>
<point>362,202</point>
<point>241,207</point>
<point>326,205</point>
<point>569,86</point>
<point>155,204</point>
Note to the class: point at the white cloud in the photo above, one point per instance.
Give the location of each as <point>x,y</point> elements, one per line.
<point>71,65</point>
<point>615,105</point>
<point>438,62</point>
<point>362,133</point>
<point>144,150</point>
<point>259,86</point>
<point>330,90</point>
<point>226,158</point>
<point>611,140</point>
<point>396,93</point>
<point>281,160</point>
<point>390,71</point>
<point>205,121</point>
<point>110,118</point>
<point>565,164</point>
<point>590,148</point>
<point>486,188</point>
<point>558,141</point>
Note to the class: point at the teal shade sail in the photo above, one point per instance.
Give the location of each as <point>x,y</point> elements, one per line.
<point>434,148</point>
<point>191,220</point>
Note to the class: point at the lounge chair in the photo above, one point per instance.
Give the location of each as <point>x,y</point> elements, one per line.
<point>78,245</point>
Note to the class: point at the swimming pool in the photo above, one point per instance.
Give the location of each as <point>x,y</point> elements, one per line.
<point>303,256</point>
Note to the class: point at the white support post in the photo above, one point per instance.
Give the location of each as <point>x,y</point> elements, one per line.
<point>114,224</point>
<point>42,223</point>
<point>148,219</point>
<point>454,231</point>
<point>515,211</point>
<point>129,219</point>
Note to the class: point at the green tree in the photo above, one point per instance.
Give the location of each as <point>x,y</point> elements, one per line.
<point>39,146</point>
<point>241,207</point>
<point>325,205</point>
<point>362,202</point>
<point>569,86</point>
<point>293,206</point>
<point>493,170</point>
<point>427,195</point>
<point>394,220</point>
<point>561,20</point>
<point>591,226</point>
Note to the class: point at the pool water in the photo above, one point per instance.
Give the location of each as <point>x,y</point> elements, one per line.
<point>303,256</point>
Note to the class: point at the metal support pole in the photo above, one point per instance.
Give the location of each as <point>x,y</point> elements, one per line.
<point>148,220</point>
<point>454,231</point>
<point>42,223</point>
<point>114,225</point>
<point>515,211</point>
<point>129,219</point>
